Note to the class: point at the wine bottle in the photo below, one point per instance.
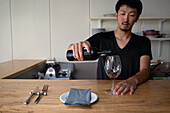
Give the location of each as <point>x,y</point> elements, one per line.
<point>92,55</point>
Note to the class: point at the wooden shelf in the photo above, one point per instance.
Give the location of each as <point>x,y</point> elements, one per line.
<point>159,39</point>
<point>141,18</point>
<point>103,18</point>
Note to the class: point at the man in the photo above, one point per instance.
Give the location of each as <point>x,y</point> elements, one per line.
<point>134,50</point>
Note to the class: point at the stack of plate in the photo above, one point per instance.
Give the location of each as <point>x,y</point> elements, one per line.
<point>151,33</point>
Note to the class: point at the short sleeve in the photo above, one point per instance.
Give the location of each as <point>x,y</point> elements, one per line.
<point>94,40</point>
<point>146,48</point>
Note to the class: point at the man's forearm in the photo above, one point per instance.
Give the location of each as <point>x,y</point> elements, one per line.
<point>83,44</point>
<point>141,76</point>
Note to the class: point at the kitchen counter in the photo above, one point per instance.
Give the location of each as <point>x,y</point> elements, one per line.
<point>12,68</point>
<point>151,96</point>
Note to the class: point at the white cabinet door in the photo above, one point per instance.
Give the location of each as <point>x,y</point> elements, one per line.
<point>5,31</point>
<point>156,8</point>
<point>30,26</point>
<point>69,24</point>
<point>100,7</point>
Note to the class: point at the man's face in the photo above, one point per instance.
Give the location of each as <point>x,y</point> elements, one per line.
<point>126,17</point>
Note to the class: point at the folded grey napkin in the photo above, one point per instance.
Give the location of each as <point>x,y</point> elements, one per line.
<point>78,97</point>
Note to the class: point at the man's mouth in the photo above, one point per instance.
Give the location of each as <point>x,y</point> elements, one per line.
<point>125,23</point>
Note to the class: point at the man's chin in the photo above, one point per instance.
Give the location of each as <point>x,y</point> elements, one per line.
<point>125,29</point>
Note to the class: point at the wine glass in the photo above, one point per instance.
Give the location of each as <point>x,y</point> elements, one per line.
<point>113,69</point>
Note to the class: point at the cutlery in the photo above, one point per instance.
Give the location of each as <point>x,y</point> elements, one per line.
<point>43,92</point>
<point>31,94</point>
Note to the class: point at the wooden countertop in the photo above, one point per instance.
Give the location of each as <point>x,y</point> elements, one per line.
<point>13,67</point>
<point>151,96</point>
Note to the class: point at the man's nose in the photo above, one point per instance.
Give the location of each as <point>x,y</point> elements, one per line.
<point>126,18</point>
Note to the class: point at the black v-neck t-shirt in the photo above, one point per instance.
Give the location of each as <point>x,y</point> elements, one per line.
<point>129,55</point>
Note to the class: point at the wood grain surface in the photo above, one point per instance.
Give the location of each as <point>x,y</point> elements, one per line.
<point>152,96</point>
<point>12,68</point>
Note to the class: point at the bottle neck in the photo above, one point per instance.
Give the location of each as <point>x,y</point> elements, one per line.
<point>104,52</point>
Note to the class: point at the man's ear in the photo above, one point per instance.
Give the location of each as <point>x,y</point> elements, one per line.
<point>137,18</point>
<point>116,15</point>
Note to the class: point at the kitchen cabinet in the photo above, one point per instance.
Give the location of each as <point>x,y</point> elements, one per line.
<point>30,29</point>
<point>5,30</point>
<point>69,24</point>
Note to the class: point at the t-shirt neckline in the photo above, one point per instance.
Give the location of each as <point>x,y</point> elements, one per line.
<point>126,46</point>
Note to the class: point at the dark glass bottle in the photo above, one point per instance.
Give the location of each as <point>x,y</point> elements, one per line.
<point>93,55</point>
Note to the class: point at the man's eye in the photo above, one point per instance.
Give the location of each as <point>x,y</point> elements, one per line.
<point>132,15</point>
<point>122,14</point>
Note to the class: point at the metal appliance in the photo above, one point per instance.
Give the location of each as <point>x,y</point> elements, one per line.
<point>56,70</point>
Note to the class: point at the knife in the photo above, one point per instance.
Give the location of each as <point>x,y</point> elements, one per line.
<point>31,94</point>
<point>43,92</point>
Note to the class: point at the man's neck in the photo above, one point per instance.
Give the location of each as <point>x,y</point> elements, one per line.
<point>122,35</point>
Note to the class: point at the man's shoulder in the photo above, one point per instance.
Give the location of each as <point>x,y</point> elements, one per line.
<point>140,38</point>
<point>107,33</point>
<point>104,35</point>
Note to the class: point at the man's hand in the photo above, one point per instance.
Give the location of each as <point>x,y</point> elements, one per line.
<point>126,86</point>
<point>131,83</point>
<point>77,49</point>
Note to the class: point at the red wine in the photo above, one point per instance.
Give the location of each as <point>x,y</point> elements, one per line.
<point>113,77</point>
<point>93,55</point>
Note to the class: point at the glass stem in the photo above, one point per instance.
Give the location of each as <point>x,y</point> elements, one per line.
<point>112,88</point>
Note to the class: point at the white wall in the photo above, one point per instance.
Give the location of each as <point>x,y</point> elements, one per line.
<point>37,29</point>
<point>5,31</point>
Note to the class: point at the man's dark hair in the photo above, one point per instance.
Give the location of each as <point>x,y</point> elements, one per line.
<point>131,3</point>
